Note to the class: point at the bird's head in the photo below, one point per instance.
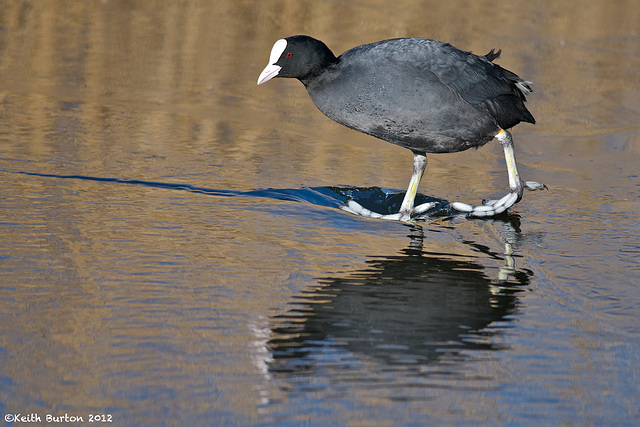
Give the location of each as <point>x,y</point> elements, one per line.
<point>300,57</point>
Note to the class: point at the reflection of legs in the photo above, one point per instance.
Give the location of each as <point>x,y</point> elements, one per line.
<point>406,209</point>
<point>494,207</point>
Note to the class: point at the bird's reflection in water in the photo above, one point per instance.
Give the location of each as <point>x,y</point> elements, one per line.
<point>411,309</point>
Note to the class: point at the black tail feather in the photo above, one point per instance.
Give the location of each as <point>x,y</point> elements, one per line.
<point>493,54</point>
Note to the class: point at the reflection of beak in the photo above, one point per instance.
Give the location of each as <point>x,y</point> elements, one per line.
<point>269,72</point>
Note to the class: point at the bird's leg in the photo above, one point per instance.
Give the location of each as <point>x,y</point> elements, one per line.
<point>495,207</point>
<point>407,208</point>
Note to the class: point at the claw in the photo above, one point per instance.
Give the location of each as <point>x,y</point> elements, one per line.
<point>481,213</point>
<point>423,207</point>
<point>483,208</point>
<point>461,207</point>
<point>533,186</point>
<point>507,201</point>
<point>356,208</point>
<point>500,209</point>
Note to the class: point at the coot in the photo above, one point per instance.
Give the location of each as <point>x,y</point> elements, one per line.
<point>424,95</point>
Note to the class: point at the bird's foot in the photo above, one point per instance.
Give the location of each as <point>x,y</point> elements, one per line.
<point>489,208</point>
<point>496,207</point>
<point>356,208</point>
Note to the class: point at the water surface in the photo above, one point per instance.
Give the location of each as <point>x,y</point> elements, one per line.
<point>173,250</point>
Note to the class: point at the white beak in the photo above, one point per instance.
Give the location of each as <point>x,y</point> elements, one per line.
<point>272,70</point>
<point>269,72</point>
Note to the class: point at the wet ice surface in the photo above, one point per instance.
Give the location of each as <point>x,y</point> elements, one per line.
<point>173,250</point>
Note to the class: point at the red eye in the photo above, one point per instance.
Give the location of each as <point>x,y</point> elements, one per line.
<point>289,54</point>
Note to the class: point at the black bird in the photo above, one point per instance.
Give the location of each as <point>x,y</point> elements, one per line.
<point>424,95</point>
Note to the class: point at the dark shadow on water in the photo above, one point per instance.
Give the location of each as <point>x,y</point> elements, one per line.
<point>384,201</point>
<point>408,310</point>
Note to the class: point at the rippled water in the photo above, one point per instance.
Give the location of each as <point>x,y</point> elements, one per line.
<point>173,250</point>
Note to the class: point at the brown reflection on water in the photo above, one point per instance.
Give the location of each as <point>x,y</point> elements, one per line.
<point>150,77</point>
<point>196,58</point>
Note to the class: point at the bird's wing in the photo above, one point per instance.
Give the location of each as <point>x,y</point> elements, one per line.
<point>475,78</point>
